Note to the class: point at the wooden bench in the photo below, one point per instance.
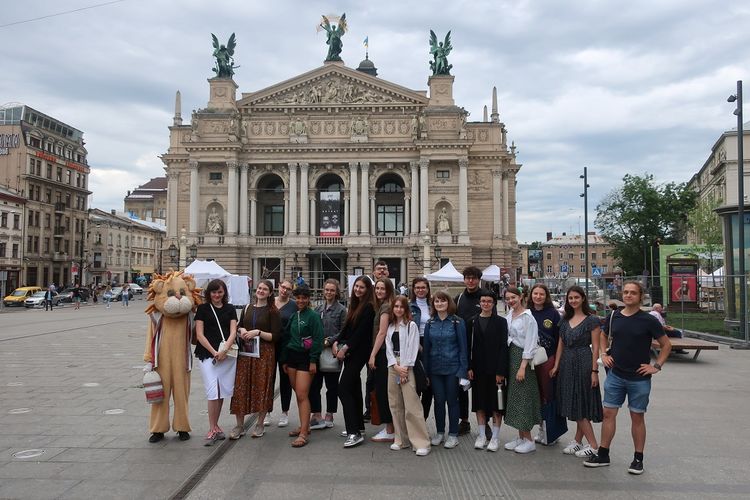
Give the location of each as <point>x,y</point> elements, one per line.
<point>687,344</point>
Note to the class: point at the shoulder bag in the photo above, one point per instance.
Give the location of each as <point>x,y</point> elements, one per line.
<point>233,350</point>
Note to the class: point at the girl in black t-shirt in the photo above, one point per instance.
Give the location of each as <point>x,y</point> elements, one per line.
<point>216,321</point>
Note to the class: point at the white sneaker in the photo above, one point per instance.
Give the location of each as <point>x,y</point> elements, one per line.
<point>383,437</point>
<point>494,445</point>
<point>423,452</point>
<point>481,441</point>
<point>267,420</point>
<point>541,436</point>
<point>586,451</point>
<point>511,445</point>
<point>396,447</point>
<point>451,442</point>
<point>572,448</point>
<point>436,440</point>
<point>527,446</point>
<point>344,434</point>
<point>283,420</point>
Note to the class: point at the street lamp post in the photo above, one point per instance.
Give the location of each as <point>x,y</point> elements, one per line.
<point>173,254</point>
<point>585,196</point>
<point>741,212</point>
<point>425,261</point>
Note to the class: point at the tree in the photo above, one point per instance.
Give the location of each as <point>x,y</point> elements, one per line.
<point>705,225</point>
<point>640,213</point>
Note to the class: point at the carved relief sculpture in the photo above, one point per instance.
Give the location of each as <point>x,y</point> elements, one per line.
<point>214,223</point>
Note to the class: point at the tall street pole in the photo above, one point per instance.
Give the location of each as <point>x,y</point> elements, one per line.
<point>585,196</point>
<point>741,212</point>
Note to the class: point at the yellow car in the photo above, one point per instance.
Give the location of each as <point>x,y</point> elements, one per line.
<point>19,295</point>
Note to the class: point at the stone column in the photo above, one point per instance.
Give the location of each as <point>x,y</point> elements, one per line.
<point>353,199</point>
<point>243,199</point>
<point>304,195</point>
<point>407,214</point>
<point>346,215</point>
<point>463,195</point>
<point>424,164</point>
<point>292,198</point>
<point>173,188</point>
<point>286,214</point>
<point>313,229</point>
<point>364,227</point>
<point>497,213</point>
<point>505,204</point>
<point>253,213</point>
<point>231,197</point>
<point>414,197</point>
<point>194,197</point>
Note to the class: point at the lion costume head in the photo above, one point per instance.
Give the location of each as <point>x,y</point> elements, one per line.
<point>173,294</point>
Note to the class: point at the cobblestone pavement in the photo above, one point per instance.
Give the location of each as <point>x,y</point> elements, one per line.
<point>70,390</point>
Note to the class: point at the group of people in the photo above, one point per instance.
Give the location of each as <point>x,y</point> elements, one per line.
<point>532,367</point>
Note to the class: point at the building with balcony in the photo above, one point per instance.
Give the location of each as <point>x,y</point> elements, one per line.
<point>149,201</point>
<point>12,215</point>
<point>44,161</point>
<point>330,170</point>
<point>120,249</point>
<point>564,256</point>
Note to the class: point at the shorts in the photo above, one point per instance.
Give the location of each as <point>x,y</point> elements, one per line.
<point>616,388</point>
<point>298,360</point>
<point>76,299</point>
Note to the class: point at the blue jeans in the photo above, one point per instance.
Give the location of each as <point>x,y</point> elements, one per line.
<point>445,390</point>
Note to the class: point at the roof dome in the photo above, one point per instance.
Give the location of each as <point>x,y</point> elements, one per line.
<point>367,66</point>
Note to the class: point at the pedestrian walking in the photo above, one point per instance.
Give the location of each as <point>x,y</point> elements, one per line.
<point>48,298</point>
<point>629,361</point>
<point>125,296</point>
<point>107,296</point>
<point>76,296</point>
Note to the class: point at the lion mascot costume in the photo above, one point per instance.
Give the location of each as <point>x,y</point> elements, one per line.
<point>174,298</point>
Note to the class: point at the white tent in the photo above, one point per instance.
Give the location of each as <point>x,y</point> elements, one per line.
<point>205,270</point>
<point>491,273</point>
<point>446,273</point>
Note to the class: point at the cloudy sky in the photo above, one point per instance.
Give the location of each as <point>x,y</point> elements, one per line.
<point>618,87</point>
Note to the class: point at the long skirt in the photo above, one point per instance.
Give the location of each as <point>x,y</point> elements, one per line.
<point>523,409</point>
<point>253,384</point>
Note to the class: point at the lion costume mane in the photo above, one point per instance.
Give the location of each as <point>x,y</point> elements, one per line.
<point>173,299</point>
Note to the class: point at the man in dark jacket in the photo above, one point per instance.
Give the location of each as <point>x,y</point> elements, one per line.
<point>467,306</point>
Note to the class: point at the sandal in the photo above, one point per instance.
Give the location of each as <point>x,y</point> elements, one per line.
<point>296,432</point>
<point>258,431</point>
<point>237,432</point>
<point>211,439</point>
<point>300,441</point>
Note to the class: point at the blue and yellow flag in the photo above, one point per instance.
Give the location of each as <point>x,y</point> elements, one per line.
<point>366,42</point>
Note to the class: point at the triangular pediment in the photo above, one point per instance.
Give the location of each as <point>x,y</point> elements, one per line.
<point>333,85</point>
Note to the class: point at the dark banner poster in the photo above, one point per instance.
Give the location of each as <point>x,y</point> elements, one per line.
<point>330,210</point>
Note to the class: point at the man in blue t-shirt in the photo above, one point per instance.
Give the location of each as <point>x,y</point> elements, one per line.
<point>629,360</point>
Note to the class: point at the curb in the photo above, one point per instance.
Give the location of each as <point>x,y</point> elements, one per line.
<point>719,339</point>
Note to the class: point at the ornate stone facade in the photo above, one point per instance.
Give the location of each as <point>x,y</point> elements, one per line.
<point>328,171</point>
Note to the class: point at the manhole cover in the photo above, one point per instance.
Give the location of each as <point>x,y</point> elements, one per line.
<point>18,411</point>
<point>28,454</point>
<point>114,411</point>
<point>91,384</point>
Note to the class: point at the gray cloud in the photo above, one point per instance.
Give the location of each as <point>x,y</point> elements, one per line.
<point>620,88</point>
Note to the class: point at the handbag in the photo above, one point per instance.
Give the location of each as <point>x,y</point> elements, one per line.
<point>540,357</point>
<point>153,386</point>
<point>328,363</point>
<point>233,350</point>
<point>420,377</point>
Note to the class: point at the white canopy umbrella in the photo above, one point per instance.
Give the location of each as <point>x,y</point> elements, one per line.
<point>491,273</point>
<point>206,270</point>
<point>446,273</point>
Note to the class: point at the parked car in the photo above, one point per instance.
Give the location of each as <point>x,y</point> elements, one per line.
<point>67,294</point>
<point>37,299</point>
<point>19,295</point>
<point>136,288</point>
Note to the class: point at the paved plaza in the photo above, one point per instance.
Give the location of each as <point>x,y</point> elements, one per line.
<point>74,425</point>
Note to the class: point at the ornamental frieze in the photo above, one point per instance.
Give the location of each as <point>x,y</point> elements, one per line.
<point>332,91</point>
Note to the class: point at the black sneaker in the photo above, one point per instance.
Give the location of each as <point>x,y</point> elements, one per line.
<point>464,427</point>
<point>366,417</point>
<point>184,436</point>
<point>156,437</point>
<point>636,467</point>
<point>596,461</point>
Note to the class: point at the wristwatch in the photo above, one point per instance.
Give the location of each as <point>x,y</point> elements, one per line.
<point>657,366</point>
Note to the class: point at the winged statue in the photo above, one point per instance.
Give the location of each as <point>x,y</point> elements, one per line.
<point>224,67</point>
<point>334,35</point>
<point>440,50</point>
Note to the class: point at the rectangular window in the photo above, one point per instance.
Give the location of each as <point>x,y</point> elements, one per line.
<point>46,245</point>
<point>36,219</point>
<point>583,256</point>
<point>59,174</point>
<point>443,174</point>
<point>214,176</point>
<point>593,255</point>
<point>3,219</point>
<point>390,220</point>
<point>604,255</point>
<point>48,196</point>
<point>549,256</point>
<point>273,220</point>
<point>549,269</point>
<point>16,221</point>
<point>570,256</point>
<point>49,170</point>
<point>2,249</point>
<point>583,268</point>
<point>15,251</point>
<point>47,221</point>
<point>562,256</point>
<point>605,269</point>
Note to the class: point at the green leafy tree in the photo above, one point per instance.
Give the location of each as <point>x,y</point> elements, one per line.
<point>705,225</point>
<point>640,213</point>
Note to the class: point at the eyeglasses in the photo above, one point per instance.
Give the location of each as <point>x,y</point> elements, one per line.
<point>285,287</point>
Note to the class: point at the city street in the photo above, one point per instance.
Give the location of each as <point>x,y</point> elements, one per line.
<point>74,425</point>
